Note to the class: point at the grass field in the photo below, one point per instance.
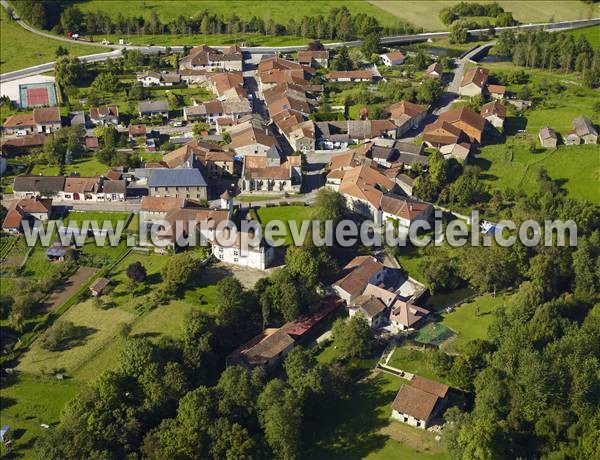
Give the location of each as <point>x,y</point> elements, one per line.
<point>20,48</point>
<point>99,327</point>
<point>577,166</point>
<point>471,320</point>
<point>426,13</point>
<point>30,401</point>
<point>285,214</point>
<point>356,427</point>
<point>212,39</point>
<point>591,33</point>
<point>277,10</point>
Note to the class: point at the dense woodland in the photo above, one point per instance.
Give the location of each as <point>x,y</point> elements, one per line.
<point>338,24</point>
<point>536,381</point>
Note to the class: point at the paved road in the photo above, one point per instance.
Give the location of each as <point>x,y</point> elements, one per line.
<point>397,39</point>
<point>451,93</point>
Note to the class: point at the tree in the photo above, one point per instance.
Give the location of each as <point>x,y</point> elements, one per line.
<point>353,336</point>
<point>280,417</point>
<point>329,205</point>
<point>301,262</point>
<point>61,51</point>
<point>54,150</point>
<point>304,374</point>
<point>468,188</point>
<point>230,301</point>
<point>106,83</point>
<point>71,19</point>
<point>136,356</point>
<point>283,295</point>
<point>58,336</point>
<point>421,61</point>
<point>371,45</point>
<point>458,33</point>
<point>342,60</point>
<point>179,271</point>
<point>136,272</point>
<point>68,70</point>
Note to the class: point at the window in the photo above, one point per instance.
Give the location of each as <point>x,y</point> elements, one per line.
<point>235,259</point>
<point>236,253</point>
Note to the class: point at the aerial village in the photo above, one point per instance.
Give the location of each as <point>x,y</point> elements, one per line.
<point>210,134</point>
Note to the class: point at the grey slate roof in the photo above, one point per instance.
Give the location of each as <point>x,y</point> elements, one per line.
<point>180,177</point>
<point>38,183</point>
<point>154,106</point>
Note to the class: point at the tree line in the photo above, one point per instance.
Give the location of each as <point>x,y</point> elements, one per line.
<point>338,24</point>
<point>552,51</point>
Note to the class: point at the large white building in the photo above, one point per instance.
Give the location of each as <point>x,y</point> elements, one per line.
<point>244,251</point>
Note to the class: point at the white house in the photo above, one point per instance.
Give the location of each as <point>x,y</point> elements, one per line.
<point>392,58</point>
<point>244,251</point>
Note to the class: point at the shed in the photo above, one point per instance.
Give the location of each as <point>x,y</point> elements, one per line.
<point>56,252</point>
<point>98,286</point>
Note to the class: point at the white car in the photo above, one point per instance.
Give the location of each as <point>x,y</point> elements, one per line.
<point>21,133</point>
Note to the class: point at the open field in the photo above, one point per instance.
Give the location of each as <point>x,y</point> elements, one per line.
<point>426,13</point>
<point>358,427</point>
<point>20,48</point>
<point>578,167</point>
<point>285,214</point>
<point>30,401</point>
<point>278,11</point>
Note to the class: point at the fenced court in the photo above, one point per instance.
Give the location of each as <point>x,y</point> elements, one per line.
<point>38,95</point>
<point>433,334</point>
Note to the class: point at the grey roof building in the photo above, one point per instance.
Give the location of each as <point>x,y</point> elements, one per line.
<point>181,177</point>
<point>153,107</point>
<point>180,183</point>
<point>38,185</point>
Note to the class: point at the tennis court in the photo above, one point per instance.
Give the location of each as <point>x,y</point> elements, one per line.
<point>433,333</point>
<point>38,95</point>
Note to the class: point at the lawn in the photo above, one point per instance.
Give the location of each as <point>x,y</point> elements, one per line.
<point>87,166</point>
<point>414,361</point>
<point>471,320</point>
<point>356,427</point>
<point>20,48</point>
<point>286,214</point>
<point>578,167</point>
<point>426,13</point>
<point>99,216</point>
<point>30,401</point>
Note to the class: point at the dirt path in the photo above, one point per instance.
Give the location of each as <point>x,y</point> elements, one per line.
<point>69,287</point>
